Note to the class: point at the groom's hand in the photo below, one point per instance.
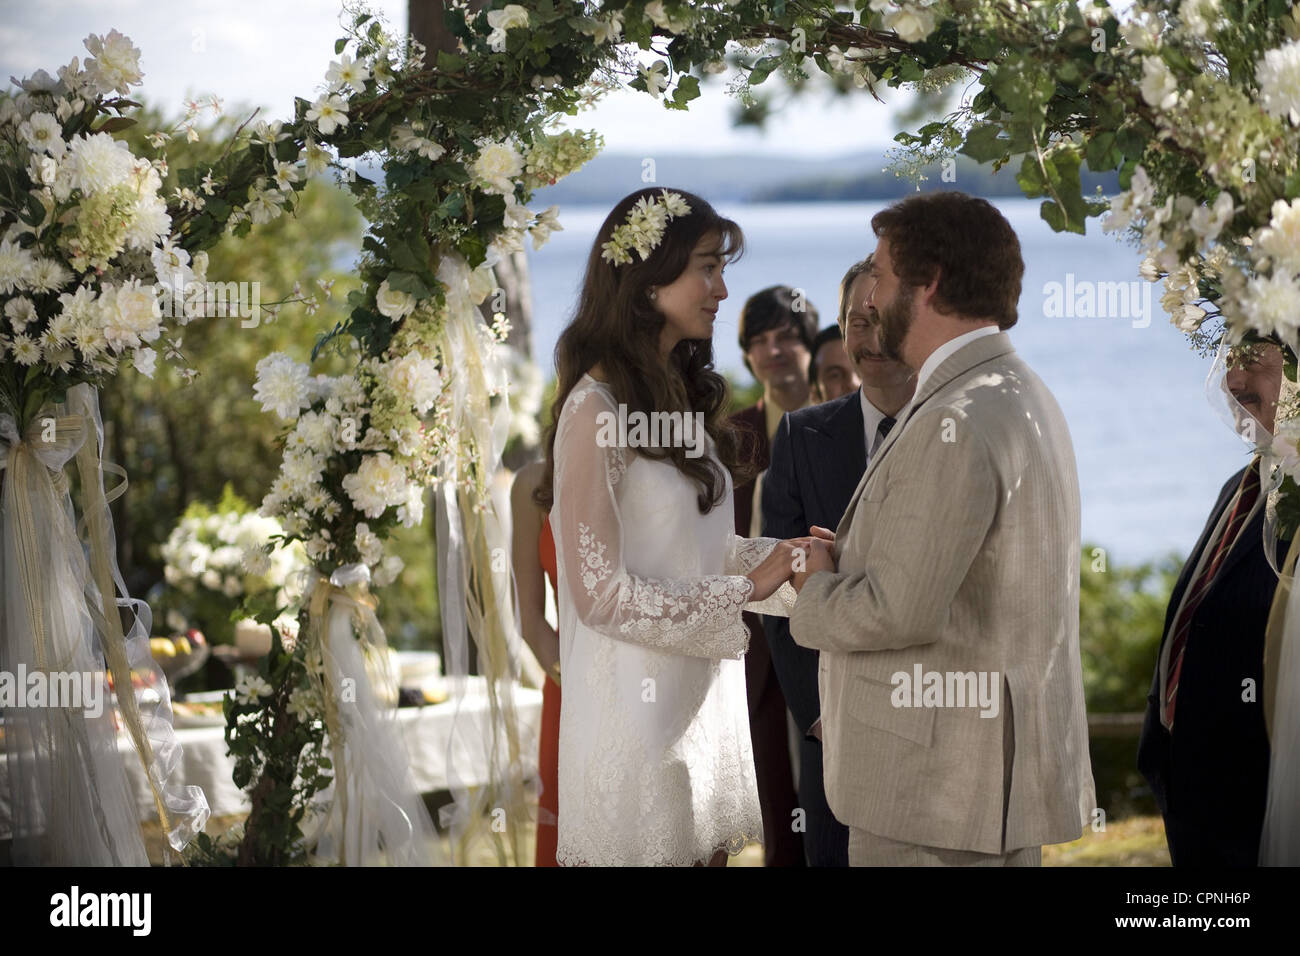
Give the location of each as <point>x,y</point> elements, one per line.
<point>820,558</point>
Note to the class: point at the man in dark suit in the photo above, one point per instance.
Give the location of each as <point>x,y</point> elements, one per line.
<point>777,326</point>
<point>1204,748</point>
<point>818,457</point>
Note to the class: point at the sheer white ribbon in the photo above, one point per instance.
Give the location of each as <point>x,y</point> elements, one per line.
<point>375,813</point>
<point>474,584</point>
<point>62,618</point>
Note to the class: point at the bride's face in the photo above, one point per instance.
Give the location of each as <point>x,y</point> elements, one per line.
<point>690,302</point>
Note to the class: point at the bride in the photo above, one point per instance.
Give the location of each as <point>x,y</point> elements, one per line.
<point>655,764</point>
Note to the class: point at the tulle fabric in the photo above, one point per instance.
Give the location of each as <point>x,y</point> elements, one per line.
<point>376,816</point>
<point>68,799</point>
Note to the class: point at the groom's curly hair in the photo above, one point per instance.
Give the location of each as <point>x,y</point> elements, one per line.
<point>616,325</point>
<point>967,242</point>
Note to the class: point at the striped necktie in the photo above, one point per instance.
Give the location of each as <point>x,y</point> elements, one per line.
<point>1244,500</point>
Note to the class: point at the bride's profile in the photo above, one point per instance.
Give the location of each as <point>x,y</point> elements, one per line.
<point>655,763</point>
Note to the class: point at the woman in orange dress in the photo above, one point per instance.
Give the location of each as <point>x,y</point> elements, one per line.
<point>533,556</point>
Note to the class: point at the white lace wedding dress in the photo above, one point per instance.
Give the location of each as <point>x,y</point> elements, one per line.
<point>655,763</point>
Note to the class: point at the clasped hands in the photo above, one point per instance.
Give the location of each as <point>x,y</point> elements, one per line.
<point>793,560</point>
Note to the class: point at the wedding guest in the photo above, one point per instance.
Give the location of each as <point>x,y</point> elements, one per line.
<point>818,457</point>
<point>777,327</point>
<point>655,763</point>
<point>831,372</point>
<point>1204,748</point>
<point>958,556</point>
<point>533,559</point>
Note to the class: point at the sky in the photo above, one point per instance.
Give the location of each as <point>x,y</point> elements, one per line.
<point>266,53</point>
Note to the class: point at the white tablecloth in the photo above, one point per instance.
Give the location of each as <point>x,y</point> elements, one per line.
<point>447,745</point>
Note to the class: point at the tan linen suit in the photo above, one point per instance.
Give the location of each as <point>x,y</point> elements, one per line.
<point>959,551</point>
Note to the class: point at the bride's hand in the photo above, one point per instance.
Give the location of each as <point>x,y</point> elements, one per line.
<point>777,567</point>
<point>826,534</point>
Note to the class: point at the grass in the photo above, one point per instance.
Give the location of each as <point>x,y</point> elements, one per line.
<point>1135,841</point>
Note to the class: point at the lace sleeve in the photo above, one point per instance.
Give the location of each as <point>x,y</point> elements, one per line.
<point>696,617</point>
<point>743,556</point>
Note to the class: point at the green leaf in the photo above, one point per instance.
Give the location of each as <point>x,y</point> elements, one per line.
<point>1030,177</point>
<point>410,283</point>
<point>687,89</point>
<point>340,45</point>
<point>450,62</point>
<point>761,70</point>
<point>1053,215</point>
<point>1102,153</point>
<point>114,124</point>
<point>983,144</point>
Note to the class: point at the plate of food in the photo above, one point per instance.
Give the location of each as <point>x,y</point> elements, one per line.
<point>200,710</point>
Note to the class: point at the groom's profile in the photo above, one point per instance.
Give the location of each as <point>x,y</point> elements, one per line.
<point>956,561</point>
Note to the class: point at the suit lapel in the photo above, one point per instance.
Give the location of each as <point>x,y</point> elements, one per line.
<point>839,441</point>
<point>974,353</point>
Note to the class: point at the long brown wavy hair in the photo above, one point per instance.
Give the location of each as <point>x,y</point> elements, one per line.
<point>617,326</point>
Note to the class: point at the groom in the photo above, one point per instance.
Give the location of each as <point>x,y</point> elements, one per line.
<point>948,612</point>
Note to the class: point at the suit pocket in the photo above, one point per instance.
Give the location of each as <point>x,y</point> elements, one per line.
<point>871,703</point>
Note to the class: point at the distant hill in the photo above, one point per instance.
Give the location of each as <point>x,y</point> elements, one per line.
<point>762,178</point>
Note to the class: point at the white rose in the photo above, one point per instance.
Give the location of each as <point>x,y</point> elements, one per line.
<point>135,317</point>
<point>393,303</point>
<point>912,24</point>
<point>497,166</point>
<point>510,17</point>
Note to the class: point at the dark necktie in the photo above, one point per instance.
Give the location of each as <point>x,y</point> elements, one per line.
<point>1243,502</point>
<point>886,424</point>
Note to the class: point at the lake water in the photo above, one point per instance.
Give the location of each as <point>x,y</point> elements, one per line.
<point>1152,453</point>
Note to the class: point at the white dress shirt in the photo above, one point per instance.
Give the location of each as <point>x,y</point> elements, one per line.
<point>948,348</point>
<point>871,419</point>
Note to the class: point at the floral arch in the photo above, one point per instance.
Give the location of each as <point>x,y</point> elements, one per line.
<point>1196,103</point>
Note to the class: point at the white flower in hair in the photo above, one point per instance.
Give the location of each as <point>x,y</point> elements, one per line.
<point>644,227</point>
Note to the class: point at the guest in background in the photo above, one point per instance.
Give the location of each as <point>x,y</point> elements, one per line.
<point>533,557</point>
<point>818,457</point>
<point>831,373</point>
<point>1204,748</point>
<point>777,326</point>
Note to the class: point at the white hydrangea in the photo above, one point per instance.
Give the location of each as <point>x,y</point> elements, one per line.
<point>282,385</point>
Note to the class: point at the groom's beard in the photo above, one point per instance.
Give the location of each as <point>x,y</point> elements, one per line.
<point>895,320</point>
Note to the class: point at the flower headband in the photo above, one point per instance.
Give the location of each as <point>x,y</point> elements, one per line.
<point>644,227</point>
